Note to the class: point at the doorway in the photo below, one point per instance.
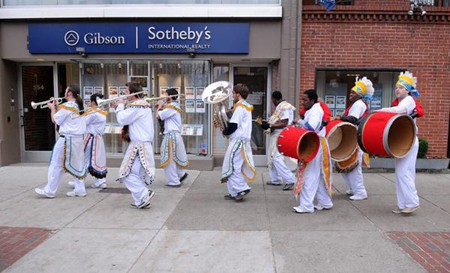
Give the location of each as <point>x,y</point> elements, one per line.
<point>38,131</point>
<point>257,80</point>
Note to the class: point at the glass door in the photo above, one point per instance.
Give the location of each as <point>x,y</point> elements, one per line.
<point>38,132</point>
<point>257,80</point>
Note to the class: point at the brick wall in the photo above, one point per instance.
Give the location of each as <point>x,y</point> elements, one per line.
<point>421,46</point>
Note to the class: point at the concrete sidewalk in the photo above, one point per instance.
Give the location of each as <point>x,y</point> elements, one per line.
<point>194,229</point>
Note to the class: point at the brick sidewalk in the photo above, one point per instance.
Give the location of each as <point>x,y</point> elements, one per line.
<point>430,249</point>
<point>16,242</point>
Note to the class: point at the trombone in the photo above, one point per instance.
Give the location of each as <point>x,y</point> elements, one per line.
<point>43,104</point>
<point>162,97</point>
<point>103,102</point>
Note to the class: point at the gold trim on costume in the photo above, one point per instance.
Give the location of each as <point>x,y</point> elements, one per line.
<point>71,109</point>
<point>173,107</point>
<point>102,112</point>
<point>246,107</point>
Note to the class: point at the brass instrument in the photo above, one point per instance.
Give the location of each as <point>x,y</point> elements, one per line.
<point>218,93</point>
<point>43,104</point>
<point>162,97</point>
<point>103,102</point>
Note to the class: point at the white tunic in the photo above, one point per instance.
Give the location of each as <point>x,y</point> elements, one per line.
<point>357,109</point>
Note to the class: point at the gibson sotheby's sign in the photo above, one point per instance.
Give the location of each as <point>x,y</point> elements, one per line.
<point>231,38</point>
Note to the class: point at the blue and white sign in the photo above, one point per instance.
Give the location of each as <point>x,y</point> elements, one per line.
<point>227,38</point>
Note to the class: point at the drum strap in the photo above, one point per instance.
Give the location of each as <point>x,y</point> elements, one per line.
<point>326,166</point>
<point>299,185</point>
<point>366,159</point>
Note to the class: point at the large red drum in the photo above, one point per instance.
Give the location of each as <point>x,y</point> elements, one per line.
<point>386,134</point>
<point>342,139</point>
<point>298,143</point>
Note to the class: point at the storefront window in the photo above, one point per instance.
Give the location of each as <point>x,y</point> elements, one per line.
<point>334,86</point>
<point>220,142</point>
<point>190,78</point>
<point>108,79</point>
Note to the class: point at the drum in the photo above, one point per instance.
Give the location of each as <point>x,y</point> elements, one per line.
<point>386,134</point>
<point>298,143</point>
<point>342,139</point>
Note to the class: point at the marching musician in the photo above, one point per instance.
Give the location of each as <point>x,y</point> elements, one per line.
<point>67,154</point>
<point>351,169</point>
<point>317,174</point>
<point>282,117</point>
<point>238,167</point>
<point>94,147</point>
<point>173,151</point>
<point>405,168</point>
<point>138,165</point>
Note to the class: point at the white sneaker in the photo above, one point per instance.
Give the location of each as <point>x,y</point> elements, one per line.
<point>41,192</point>
<point>301,210</point>
<point>101,186</point>
<point>358,197</point>
<point>76,194</point>
<point>320,207</point>
<point>423,13</point>
<point>146,200</point>
<point>410,12</point>
<point>349,192</point>
<point>409,210</point>
<point>71,184</point>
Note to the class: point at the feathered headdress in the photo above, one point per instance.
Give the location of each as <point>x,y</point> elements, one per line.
<point>409,82</point>
<point>364,88</point>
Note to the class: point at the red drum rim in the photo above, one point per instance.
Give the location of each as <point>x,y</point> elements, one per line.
<point>304,150</point>
<point>395,136</point>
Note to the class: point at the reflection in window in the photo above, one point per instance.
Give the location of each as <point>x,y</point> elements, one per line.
<point>220,143</point>
<point>334,86</point>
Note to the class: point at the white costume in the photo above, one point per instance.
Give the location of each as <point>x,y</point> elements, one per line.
<point>276,161</point>
<point>238,163</point>
<point>67,153</point>
<point>173,152</point>
<point>94,147</point>
<point>354,179</point>
<point>138,165</point>
<point>317,175</point>
<point>405,168</point>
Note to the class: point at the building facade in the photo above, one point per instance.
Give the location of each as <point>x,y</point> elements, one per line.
<point>378,39</point>
<point>48,45</point>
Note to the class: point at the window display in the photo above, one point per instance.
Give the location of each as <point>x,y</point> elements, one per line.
<point>334,86</point>
<point>188,77</point>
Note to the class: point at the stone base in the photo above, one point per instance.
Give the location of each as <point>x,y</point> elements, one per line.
<point>422,165</point>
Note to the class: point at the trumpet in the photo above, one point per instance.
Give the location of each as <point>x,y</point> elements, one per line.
<point>103,102</point>
<point>43,104</point>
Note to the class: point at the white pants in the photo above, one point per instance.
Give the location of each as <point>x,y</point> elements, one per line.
<point>405,173</point>
<point>279,172</point>
<point>237,182</point>
<point>314,185</point>
<point>355,179</point>
<point>56,170</point>
<point>173,173</point>
<point>135,183</point>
